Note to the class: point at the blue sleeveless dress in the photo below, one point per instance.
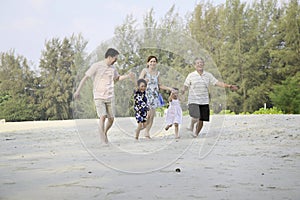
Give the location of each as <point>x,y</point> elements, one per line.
<point>152,90</point>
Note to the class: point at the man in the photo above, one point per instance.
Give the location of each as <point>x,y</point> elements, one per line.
<point>104,74</point>
<point>197,83</point>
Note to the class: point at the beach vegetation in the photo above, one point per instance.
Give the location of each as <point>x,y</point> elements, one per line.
<point>255,46</point>
<point>263,111</point>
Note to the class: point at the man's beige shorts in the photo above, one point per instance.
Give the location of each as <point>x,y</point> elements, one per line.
<point>104,107</point>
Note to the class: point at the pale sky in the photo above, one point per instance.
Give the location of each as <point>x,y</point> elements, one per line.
<point>25,25</point>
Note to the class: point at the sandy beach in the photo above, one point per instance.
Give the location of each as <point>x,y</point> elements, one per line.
<point>235,157</point>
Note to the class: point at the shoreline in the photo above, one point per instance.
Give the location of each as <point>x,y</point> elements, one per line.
<point>31,125</point>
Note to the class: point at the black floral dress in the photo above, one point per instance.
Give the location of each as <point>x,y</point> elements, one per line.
<point>140,106</point>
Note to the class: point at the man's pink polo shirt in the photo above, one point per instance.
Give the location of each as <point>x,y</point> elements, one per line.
<point>103,79</point>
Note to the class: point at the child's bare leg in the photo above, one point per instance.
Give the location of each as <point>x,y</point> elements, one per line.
<point>138,130</point>
<point>144,124</point>
<point>176,130</point>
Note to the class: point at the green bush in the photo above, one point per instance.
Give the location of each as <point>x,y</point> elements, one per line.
<point>161,110</point>
<point>273,110</point>
<point>244,113</point>
<point>227,112</point>
<point>286,96</point>
<point>185,113</point>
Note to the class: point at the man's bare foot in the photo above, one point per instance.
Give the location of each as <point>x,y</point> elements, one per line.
<point>167,127</point>
<point>190,128</point>
<point>148,137</point>
<point>104,144</point>
<point>194,135</point>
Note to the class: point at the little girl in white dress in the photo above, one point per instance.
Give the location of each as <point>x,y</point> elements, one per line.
<point>174,112</point>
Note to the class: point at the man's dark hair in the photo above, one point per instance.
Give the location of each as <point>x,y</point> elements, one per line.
<point>111,52</point>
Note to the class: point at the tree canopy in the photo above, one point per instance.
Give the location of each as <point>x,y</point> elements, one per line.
<point>255,46</point>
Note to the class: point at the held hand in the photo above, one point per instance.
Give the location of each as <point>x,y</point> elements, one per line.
<point>233,87</point>
<point>183,98</point>
<point>76,95</point>
<point>131,75</point>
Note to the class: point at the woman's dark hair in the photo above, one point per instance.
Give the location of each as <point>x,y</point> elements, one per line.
<point>111,52</point>
<point>150,57</point>
<point>141,81</point>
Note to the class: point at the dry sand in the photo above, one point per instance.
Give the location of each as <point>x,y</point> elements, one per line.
<point>236,157</point>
